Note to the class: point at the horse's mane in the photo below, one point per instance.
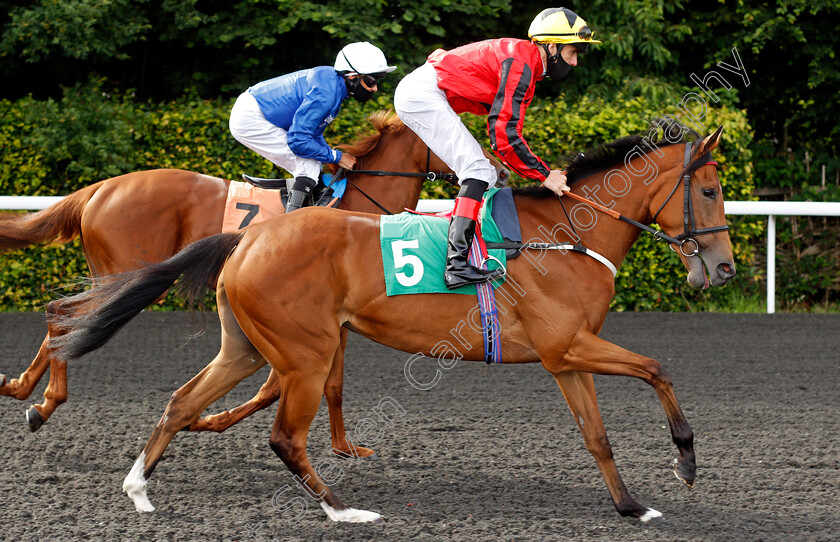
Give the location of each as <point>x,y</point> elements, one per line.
<point>384,122</point>
<point>611,154</point>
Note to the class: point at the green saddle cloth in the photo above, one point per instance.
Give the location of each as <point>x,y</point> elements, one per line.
<point>414,251</point>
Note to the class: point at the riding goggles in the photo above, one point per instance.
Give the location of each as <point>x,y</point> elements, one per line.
<point>372,79</point>
<point>585,33</point>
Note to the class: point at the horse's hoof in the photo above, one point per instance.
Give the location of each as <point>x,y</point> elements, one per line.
<point>366,453</point>
<point>651,516</point>
<point>351,515</point>
<point>34,419</point>
<point>343,455</point>
<point>2,380</point>
<point>358,453</point>
<point>684,473</point>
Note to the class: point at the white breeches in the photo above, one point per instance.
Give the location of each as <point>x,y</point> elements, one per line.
<point>423,107</point>
<point>250,127</point>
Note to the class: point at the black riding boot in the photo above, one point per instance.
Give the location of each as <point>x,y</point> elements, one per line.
<point>459,272</point>
<point>301,194</point>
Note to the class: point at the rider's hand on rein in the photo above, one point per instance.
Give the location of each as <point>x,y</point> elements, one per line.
<point>556,182</point>
<point>347,161</point>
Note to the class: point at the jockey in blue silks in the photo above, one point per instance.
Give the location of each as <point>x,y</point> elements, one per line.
<point>283,119</point>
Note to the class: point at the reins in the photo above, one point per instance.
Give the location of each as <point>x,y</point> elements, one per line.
<point>343,173</point>
<point>689,225</point>
<point>689,228</point>
<point>429,176</point>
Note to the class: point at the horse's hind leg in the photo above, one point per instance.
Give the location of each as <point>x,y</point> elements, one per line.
<point>333,391</point>
<point>591,354</point>
<point>54,395</point>
<point>236,360</point>
<point>21,387</point>
<point>56,392</point>
<point>579,391</point>
<point>303,360</point>
<point>268,393</point>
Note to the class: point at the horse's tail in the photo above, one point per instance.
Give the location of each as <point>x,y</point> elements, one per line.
<point>89,319</point>
<point>60,223</point>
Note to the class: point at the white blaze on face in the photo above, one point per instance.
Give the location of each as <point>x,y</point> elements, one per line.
<point>135,486</point>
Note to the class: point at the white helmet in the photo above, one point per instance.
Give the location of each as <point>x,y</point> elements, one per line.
<point>362,58</point>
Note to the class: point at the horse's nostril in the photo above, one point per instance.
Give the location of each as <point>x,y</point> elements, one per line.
<point>726,271</point>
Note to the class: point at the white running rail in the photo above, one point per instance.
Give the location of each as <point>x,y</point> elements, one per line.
<point>770,209</point>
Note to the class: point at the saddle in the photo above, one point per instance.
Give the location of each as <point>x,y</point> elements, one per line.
<point>268,184</point>
<point>257,200</point>
<point>414,256</point>
<point>504,216</point>
<point>322,195</point>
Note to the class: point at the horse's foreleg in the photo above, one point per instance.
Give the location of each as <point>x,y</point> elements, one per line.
<point>299,403</point>
<point>579,391</point>
<point>591,354</point>
<point>333,391</point>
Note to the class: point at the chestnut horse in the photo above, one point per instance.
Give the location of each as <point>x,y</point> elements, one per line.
<point>148,216</point>
<point>556,323</point>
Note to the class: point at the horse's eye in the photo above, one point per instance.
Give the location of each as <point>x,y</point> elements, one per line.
<point>710,193</point>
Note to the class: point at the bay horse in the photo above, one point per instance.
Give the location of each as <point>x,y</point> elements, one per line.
<point>148,216</point>
<point>556,323</point>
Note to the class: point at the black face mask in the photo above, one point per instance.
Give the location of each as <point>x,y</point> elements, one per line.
<point>357,91</point>
<point>556,67</point>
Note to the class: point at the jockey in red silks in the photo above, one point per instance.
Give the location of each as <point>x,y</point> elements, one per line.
<point>494,78</point>
<point>283,119</point>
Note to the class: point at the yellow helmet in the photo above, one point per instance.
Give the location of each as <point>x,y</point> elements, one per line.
<point>561,25</point>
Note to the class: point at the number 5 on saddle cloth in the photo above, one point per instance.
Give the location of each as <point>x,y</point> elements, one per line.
<point>414,258</point>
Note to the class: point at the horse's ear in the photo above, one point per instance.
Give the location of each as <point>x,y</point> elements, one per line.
<point>711,142</point>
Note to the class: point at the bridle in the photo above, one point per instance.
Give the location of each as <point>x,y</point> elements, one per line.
<point>690,230</point>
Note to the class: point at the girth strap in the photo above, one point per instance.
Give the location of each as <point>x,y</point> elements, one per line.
<point>556,246</point>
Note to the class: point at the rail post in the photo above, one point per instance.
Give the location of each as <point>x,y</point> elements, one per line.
<point>771,264</point>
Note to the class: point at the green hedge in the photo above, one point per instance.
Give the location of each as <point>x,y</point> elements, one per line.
<point>54,148</point>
